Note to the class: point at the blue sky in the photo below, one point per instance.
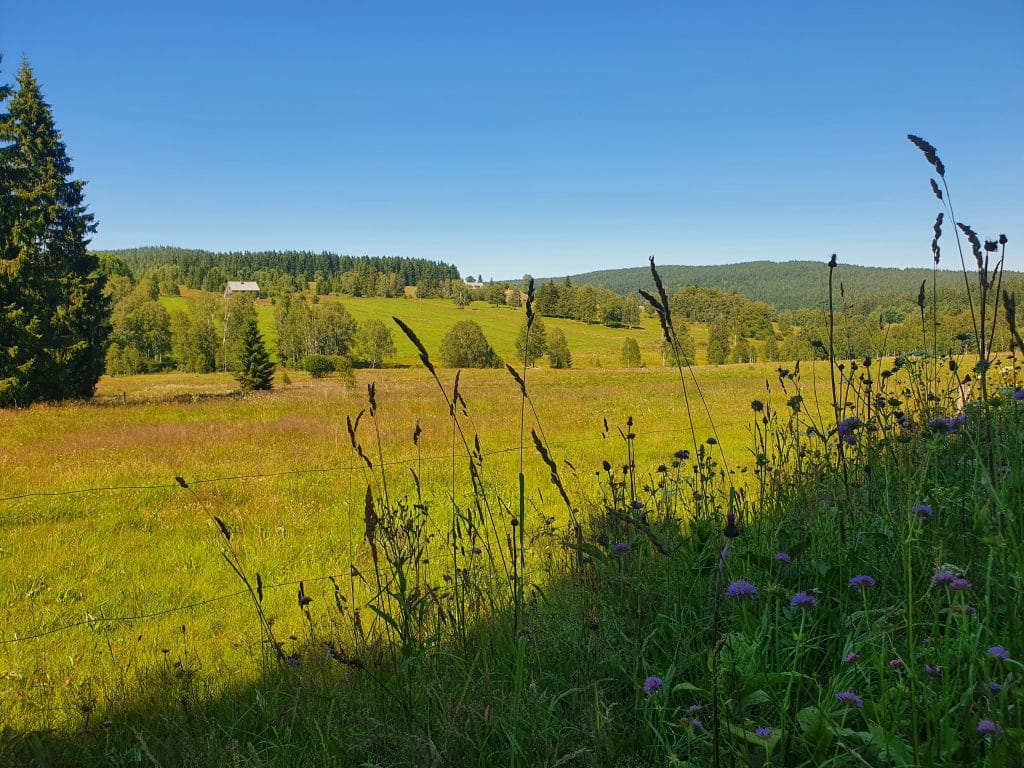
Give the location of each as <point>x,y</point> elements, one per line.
<point>540,137</point>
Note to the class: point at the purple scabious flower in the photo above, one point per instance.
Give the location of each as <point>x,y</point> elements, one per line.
<point>960,584</point>
<point>851,657</point>
<point>847,426</point>
<point>782,557</point>
<point>621,548</point>
<point>895,663</point>
<point>682,455</point>
<point>988,727</point>
<point>850,699</point>
<point>652,684</point>
<point>1018,395</point>
<point>693,709</point>
<point>864,582</point>
<point>923,511</point>
<point>994,687</point>
<point>942,578</point>
<point>999,652</point>
<point>931,671</point>
<point>740,588</point>
<point>763,732</point>
<point>636,504</point>
<point>697,724</point>
<point>803,600</point>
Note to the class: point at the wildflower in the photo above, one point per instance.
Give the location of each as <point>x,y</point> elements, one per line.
<point>622,548</point>
<point>697,724</point>
<point>988,728</point>
<point>994,687</point>
<point>999,652</point>
<point>895,663</point>
<point>851,657</point>
<point>1018,395</point>
<point>782,557</point>
<point>712,441</point>
<point>849,439</point>
<point>762,732</point>
<point>850,699</point>
<point>932,671</point>
<point>652,684</point>
<point>637,505</point>
<point>864,582</point>
<point>923,511</point>
<point>740,588</point>
<point>294,660</point>
<point>942,578</point>
<point>960,584</point>
<point>757,405</point>
<point>731,531</point>
<point>693,709</point>
<point>682,455</point>
<point>803,600</point>
<point>847,425</point>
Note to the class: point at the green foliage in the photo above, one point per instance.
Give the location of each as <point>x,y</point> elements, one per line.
<point>558,349</point>
<point>325,328</point>
<point>318,366</point>
<point>685,350</point>
<point>631,353</point>
<point>742,352</point>
<point>532,341</point>
<point>54,313</point>
<point>256,371</point>
<point>194,338</point>
<point>375,343</point>
<point>465,346</point>
<point>719,342</point>
<point>239,312</point>
<point>142,327</point>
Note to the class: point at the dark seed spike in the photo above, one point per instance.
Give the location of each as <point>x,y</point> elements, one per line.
<point>517,377</point>
<point>529,303</point>
<point>424,357</point>
<point>937,229</point>
<point>935,189</point>
<point>972,238</point>
<point>259,587</point>
<point>180,481</point>
<point>371,390</point>
<point>416,433</point>
<point>1010,305</point>
<point>223,528</point>
<point>920,295</point>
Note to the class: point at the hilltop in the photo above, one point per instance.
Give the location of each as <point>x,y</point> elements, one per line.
<point>788,285</point>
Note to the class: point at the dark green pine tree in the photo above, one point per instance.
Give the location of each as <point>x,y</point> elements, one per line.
<point>54,317</point>
<point>257,371</point>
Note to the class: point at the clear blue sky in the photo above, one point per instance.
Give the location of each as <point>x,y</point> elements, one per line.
<point>539,137</point>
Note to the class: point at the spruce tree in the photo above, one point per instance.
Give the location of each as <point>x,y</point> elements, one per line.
<point>257,370</point>
<point>54,316</point>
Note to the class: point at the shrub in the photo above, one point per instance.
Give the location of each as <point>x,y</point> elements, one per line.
<point>465,346</point>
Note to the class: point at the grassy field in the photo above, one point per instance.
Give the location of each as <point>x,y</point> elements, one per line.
<point>293,496</point>
<point>591,346</point>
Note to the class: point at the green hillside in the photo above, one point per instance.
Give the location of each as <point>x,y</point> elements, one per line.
<point>786,286</point>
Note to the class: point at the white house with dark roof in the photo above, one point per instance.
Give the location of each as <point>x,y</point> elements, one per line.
<point>242,286</point>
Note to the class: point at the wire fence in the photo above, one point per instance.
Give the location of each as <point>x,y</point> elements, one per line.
<point>188,483</point>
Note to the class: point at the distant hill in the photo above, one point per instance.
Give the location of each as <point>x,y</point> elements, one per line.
<point>785,285</point>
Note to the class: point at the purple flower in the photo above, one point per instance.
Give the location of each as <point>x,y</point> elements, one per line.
<point>803,600</point>
<point>294,660</point>
<point>864,582</point>
<point>944,425</point>
<point>740,588</point>
<point>762,732</point>
<point>693,709</point>
<point>682,455</point>
<point>988,728</point>
<point>846,426</point>
<point>849,439</point>
<point>895,663</point>
<point>942,578</point>
<point>999,652</point>
<point>697,724</point>
<point>652,684</point>
<point>851,657</point>
<point>622,548</point>
<point>923,511</point>
<point>932,671</point>
<point>995,687</point>
<point>1018,395</point>
<point>782,557</point>
<point>960,584</point>
<point>636,505</point>
<point>850,699</point>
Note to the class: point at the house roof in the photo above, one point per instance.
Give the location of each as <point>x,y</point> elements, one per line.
<point>242,285</point>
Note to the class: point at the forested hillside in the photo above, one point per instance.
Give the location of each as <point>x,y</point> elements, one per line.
<point>788,285</point>
<point>284,270</point>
